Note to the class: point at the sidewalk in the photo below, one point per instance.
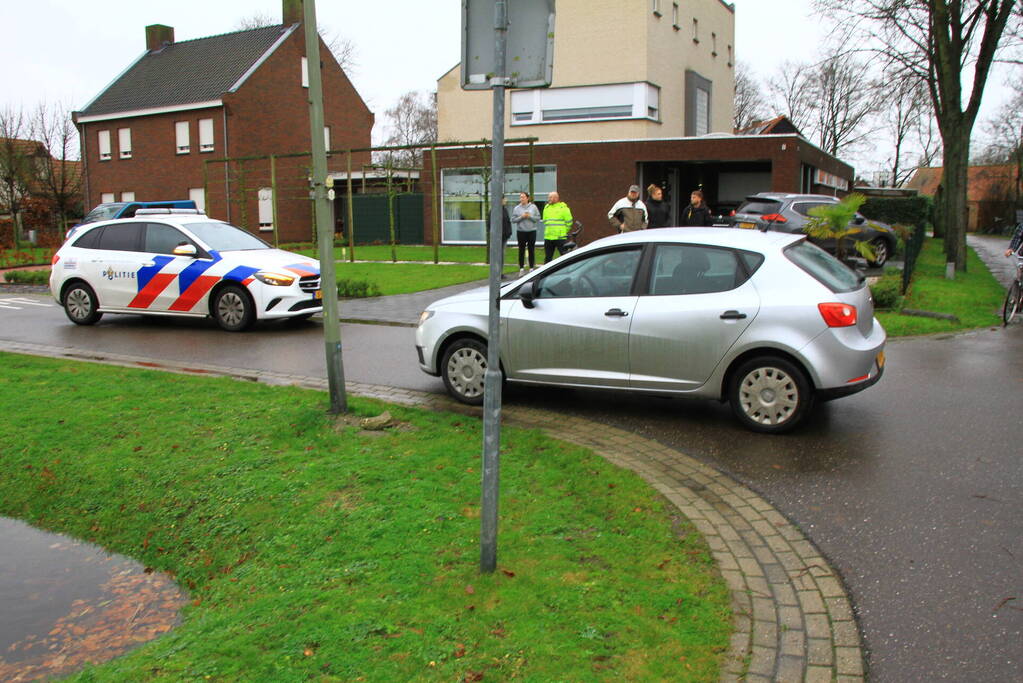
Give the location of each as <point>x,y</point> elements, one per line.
<point>991,250</point>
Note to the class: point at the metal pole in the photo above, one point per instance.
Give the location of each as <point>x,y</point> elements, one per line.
<point>351,214</point>
<point>436,205</point>
<point>324,231</point>
<point>273,198</point>
<point>492,379</point>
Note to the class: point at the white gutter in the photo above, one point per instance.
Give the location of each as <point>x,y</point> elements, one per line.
<point>150,111</point>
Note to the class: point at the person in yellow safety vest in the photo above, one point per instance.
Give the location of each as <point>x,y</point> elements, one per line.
<point>557,221</point>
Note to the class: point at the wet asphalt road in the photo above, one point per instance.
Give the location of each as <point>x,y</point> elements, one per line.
<point>912,489</point>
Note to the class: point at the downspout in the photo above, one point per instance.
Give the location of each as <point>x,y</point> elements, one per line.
<point>82,139</point>
<point>227,166</point>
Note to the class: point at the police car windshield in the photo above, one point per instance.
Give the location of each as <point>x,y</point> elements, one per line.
<point>103,212</point>
<point>225,237</point>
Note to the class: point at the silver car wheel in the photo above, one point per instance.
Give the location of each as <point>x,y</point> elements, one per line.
<point>466,370</point>
<point>880,252</point>
<point>768,396</point>
<point>231,308</point>
<point>79,304</point>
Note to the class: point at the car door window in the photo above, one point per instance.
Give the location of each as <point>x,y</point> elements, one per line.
<point>691,269</point>
<point>121,237</point>
<point>90,240</point>
<point>161,238</point>
<point>608,273</point>
<point>803,208</point>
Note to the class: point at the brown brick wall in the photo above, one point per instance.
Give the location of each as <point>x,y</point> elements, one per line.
<point>269,114</point>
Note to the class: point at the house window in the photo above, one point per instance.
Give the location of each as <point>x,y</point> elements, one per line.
<point>326,138</point>
<point>107,198</point>
<point>464,212</point>
<point>730,55</point>
<point>674,16</point>
<point>713,45</point>
<point>585,103</point>
<point>657,7</point>
<point>127,196</point>
<point>697,105</point>
<point>305,72</point>
<point>197,195</point>
<point>104,145</point>
<point>181,137</point>
<point>266,209</point>
<point>205,135</point>
<point>696,31</point>
<point>124,142</point>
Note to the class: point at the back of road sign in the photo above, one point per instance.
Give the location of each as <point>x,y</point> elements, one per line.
<point>530,51</point>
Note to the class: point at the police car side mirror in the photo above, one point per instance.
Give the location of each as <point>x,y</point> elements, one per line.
<point>185,250</point>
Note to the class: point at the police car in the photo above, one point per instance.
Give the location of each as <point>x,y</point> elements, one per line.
<point>181,262</point>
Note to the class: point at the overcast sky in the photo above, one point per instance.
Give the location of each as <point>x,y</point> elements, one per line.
<point>70,50</point>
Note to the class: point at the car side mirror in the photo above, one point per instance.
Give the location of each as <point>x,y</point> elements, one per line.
<point>528,294</point>
<point>185,250</point>
<point>859,220</point>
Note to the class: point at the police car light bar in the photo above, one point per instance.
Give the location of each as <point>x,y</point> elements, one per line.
<point>150,212</point>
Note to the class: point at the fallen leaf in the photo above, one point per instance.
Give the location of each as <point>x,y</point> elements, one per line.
<point>508,573</point>
<point>470,590</point>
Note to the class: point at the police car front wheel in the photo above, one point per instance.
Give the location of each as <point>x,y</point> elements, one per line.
<point>81,305</point>
<point>233,308</point>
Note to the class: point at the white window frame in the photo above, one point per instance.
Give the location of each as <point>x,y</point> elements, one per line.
<point>657,7</point>
<point>266,209</point>
<point>326,138</point>
<point>198,195</point>
<point>205,135</point>
<point>107,198</point>
<point>105,153</point>
<point>124,143</point>
<point>182,144</point>
<point>696,30</point>
<point>305,72</point>
<point>674,16</point>
<point>127,196</point>
<point>580,104</point>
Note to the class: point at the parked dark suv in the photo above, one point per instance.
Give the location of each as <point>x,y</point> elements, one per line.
<point>790,213</point>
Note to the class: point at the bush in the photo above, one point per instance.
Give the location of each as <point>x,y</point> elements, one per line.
<point>28,277</point>
<point>887,291</point>
<point>357,289</point>
<point>905,210</point>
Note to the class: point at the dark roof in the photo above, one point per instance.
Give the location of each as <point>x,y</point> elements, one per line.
<point>188,72</point>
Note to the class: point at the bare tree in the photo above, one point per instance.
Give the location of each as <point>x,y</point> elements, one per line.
<point>59,180</point>
<point>907,120</point>
<point>944,44</point>
<point>749,100</point>
<point>18,157</point>
<point>411,121</point>
<point>793,91</point>
<point>342,48</point>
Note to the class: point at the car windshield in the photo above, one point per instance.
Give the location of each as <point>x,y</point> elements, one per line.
<point>759,206</point>
<point>103,212</point>
<point>824,267</point>
<point>225,237</point>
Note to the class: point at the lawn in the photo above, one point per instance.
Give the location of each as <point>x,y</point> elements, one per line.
<point>314,550</point>
<point>403,278</point>
<point>411,252</point>
<point>975,297</point>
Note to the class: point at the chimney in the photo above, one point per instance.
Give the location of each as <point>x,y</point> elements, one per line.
<point>158,35</point>
<point>291,12</point>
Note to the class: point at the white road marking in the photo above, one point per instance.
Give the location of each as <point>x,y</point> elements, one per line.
<point>16,303</point>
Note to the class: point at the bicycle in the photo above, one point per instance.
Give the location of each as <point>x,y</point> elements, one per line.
<point>1014,297</point>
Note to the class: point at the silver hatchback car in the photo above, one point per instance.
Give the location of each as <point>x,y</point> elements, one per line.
<point>767,321</point>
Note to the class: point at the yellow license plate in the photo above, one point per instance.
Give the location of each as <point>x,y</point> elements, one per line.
<point>318,294</point>
<point>880,360</point>
<point>747,226</point>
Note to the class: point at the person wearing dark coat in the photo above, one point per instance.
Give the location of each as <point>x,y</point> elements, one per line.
<point>657,209</point>
<point>697,213</point>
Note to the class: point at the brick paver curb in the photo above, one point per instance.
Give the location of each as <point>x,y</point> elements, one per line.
<point>792,615</point>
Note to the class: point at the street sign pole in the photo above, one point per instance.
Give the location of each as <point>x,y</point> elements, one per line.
<point>492,379</point>
<point>322,209</point>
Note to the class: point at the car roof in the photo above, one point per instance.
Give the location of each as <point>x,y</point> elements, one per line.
<point>733,238</point>
<point>792,196</point>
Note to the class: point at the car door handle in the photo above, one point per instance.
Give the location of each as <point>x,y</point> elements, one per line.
<point>616,313</point>
<point>148,264</point>
<point>732,315</point>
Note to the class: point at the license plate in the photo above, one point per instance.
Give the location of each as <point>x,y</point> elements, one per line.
<point>747,226</point>
<point>318,294</point>
<point>880,360</point>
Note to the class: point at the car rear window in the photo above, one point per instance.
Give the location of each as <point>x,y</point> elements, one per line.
<point>824,267</point>
<point>759,206</point>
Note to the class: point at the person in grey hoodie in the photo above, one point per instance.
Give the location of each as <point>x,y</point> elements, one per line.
<point>525,216</point>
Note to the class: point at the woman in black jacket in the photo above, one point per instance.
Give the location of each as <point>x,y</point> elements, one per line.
<point>658,211</point>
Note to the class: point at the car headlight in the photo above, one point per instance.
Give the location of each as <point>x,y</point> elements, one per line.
<point>424,316</point>
<point>271,278</point>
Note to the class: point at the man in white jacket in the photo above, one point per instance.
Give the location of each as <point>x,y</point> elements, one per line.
<point>629,213</point>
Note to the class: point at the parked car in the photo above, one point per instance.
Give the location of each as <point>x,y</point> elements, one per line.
<point>790,213</point>
<point>767,321</point>
<point>166,262</point>
<point>109,210</point>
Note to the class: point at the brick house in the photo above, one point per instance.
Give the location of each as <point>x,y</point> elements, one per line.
<point>993,194</point>
<point>222,120</point>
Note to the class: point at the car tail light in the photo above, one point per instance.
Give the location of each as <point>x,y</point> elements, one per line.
<point>732,212</point>
<point>837,314</point>
<point>774,218</point>
<point>55,259</point>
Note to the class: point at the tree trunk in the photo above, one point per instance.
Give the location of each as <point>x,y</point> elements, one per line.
<point>953,213</point>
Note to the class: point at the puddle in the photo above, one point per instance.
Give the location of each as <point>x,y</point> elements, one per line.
<point>65,603</point>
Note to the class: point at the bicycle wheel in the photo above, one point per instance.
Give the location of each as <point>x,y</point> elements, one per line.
<point>1013,302</point>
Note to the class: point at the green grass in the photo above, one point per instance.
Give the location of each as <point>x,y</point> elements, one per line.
<point>402,278</point>
<point>975,297</point>
<point>406,252</point>
<point>313,550</point>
